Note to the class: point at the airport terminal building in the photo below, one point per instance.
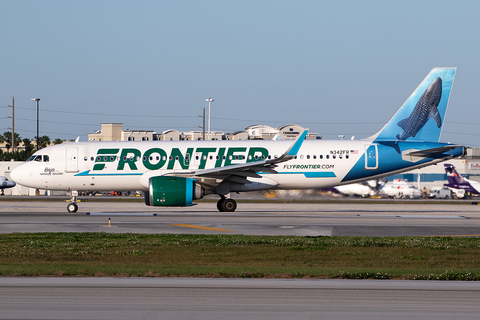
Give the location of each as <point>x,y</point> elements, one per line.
<point>115,132</point>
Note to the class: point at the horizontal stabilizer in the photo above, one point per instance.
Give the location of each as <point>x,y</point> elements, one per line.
<point>434,151</point>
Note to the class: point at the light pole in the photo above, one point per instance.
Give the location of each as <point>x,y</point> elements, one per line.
<point>38,100</point>
<point>209,100</point>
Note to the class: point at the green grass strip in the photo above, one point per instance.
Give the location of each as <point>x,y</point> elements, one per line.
<point>107,254</point>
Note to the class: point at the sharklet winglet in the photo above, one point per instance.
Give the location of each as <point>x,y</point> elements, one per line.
<point>293,150</point>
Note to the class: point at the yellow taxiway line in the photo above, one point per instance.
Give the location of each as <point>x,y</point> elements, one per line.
<point>198,227</point>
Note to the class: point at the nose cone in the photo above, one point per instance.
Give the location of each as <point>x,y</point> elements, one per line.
<point>16,175</point>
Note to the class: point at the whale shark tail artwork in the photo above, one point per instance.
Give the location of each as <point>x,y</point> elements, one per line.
<point>421,117</point>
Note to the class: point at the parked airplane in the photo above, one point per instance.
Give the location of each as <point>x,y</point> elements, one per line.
<point>363,189</point>
<point>459,184</point>
<point>401,189</point>
<point>5,183</point>
<point>174,173</point>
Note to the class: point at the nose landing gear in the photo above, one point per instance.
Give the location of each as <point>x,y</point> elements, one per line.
<point>72,206</point>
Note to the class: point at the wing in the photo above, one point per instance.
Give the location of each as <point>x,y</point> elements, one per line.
<point>240,172</point>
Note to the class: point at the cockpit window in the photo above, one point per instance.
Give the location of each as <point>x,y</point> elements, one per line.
<point>39,158</point>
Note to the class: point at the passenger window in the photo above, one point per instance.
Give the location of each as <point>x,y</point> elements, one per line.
<point>327,156</point>
<point>321,156</point>
<point>308,156</point>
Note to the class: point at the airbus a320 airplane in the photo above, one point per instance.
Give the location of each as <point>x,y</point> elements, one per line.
<point>174,173</point>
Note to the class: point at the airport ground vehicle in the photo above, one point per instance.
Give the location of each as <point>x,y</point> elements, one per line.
<point>440,193</point>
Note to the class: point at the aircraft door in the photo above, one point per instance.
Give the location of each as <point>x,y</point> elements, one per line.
<point>71,164</point>
<point>371,157</point>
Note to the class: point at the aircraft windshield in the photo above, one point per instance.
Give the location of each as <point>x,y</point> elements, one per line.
<point>38,158</point>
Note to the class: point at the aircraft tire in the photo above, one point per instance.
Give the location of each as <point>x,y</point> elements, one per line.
<point>72,207</point>
<point>219,205</point>
<point>229,205</point>
<point>226,205</point>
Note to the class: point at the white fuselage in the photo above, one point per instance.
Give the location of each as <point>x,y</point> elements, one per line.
<point>128,165</point>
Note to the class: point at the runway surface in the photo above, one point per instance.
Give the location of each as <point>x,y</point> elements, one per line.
<point>215,299</point>
<point>303,219</point>
<point>190,298</point>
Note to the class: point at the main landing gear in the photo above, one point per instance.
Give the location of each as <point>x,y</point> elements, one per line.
<point>226,205</point>
<point>72,206</point>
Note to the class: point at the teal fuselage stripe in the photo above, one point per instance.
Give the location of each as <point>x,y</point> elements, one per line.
<point>328,174</point>
<point>87,173</point>
<point>319,174</point>
<point>306,174</point>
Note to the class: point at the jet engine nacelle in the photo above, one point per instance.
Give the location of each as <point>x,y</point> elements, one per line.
<point>172,191</point>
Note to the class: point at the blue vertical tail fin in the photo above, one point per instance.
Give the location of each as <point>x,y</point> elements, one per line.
<point>421,117</point>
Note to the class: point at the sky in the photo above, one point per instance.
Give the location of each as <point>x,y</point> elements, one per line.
<point>336,67</point>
